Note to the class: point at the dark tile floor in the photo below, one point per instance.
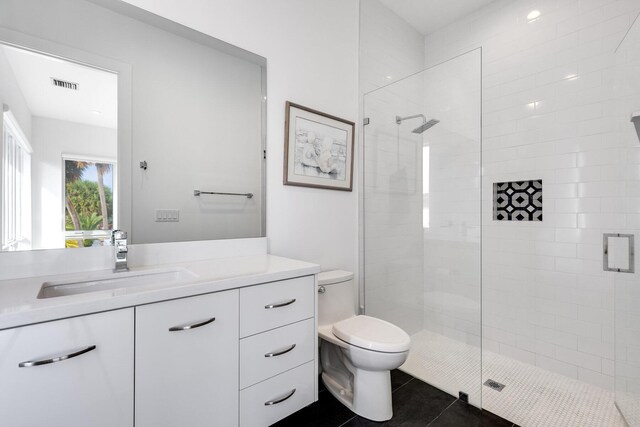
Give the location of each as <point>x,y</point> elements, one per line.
<point>415,403</point>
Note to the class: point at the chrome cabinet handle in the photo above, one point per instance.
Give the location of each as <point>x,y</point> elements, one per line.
<point>280,352</point>
<point>280,304</point>
<point>191,326</point>
<point>280,399</point>
<point>30,363</point>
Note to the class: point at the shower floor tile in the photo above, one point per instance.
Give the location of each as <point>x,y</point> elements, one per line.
<point>532,396</point>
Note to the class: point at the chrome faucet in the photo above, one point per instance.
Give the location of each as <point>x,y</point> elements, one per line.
<point>119,242</point>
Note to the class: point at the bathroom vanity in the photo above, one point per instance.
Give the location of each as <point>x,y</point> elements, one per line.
<point>225,341</point>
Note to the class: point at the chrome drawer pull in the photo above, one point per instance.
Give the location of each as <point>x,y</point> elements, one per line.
<point>280,352</point>
<point>280,399</point>
<point>280,304</point>
<point>30,363</point>
<point>191,326</point>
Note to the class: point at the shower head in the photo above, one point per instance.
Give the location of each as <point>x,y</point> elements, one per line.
<point>635,119</point>
<point>423,127</point>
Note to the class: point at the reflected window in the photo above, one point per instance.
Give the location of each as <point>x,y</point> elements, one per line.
<point>425,187</point>
<point>89,195</point>
<point>16,186</point>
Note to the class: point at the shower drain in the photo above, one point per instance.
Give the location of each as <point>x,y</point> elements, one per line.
<point>494,385</point>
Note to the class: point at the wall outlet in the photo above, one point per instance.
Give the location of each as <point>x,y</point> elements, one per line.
<point>167,215</point>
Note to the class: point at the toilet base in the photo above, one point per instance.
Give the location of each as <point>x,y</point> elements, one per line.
<point>370,397</point>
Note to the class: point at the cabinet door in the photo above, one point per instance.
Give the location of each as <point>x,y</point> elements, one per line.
<point>187,362</point>
<point>71,372</point>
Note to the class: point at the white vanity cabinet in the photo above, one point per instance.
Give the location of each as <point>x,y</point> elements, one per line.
<point>187,362</point>
<point>70,372</point>
<point>238,356</point>
<point>278,349</point>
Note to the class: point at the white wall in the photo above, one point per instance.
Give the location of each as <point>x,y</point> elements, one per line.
<point>11,95</point>
<point>51,139</point>
<point>312,55</point>
<point>546,300</point>
<point>390,49</point>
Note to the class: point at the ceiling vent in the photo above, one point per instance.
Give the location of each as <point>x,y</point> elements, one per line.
<point>64,84</point>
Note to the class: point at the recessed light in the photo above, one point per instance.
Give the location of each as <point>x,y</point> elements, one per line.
<point>389,77</point>
<point>572,77</point>
<point>533,15</point>
<point>96,112</point>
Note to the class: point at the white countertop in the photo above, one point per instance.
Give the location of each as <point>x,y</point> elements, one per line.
<point>19,304</point>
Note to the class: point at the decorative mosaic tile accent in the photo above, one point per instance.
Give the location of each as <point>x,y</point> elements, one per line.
<point>517,201</point>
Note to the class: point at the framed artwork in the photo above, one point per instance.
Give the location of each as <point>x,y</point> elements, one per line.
<point>318,150</point>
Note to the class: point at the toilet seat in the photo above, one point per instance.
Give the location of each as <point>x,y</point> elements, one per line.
<point>371,333</point>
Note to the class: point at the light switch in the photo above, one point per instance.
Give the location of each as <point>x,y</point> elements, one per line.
<point>167,215</point>
<point>618,253</point>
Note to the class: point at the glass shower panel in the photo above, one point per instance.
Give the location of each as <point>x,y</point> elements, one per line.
<point>627,286</point>
<point>422,219</point>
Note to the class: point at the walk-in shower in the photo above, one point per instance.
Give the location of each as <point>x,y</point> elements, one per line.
<point>518,311</point>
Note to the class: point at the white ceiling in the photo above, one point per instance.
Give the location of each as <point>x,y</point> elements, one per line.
<point>94,103</point>
<point>427,16</point>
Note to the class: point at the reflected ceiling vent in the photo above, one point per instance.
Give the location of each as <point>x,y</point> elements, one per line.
<point>64,84</point>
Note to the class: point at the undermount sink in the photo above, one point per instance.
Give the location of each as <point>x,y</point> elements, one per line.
<point>114,281</point>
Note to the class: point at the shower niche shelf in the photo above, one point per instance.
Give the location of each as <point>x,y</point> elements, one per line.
<point>517,200</point>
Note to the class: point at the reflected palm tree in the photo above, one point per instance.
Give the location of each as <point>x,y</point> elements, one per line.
<point>73,172</point>
<point>102,169</point>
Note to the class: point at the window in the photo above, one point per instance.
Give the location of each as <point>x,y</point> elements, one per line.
<point>16,186</point>
<point>88,201</point>
<point>425,187</point>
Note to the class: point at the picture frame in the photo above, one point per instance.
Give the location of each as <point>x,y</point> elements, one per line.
<point>318,150</point>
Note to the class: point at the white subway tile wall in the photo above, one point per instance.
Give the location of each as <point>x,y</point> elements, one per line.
<point>550,112</point>
<point>627,295</point>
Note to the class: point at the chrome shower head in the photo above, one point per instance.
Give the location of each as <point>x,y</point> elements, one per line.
<point>427,125</point>
<point>423,127</point>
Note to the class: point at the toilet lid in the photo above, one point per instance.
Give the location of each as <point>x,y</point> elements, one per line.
<point>372,334</point>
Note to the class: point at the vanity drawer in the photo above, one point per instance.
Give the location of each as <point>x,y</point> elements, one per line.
<point>269,401</point>
<point>264,355</point>
<point>276,304</point>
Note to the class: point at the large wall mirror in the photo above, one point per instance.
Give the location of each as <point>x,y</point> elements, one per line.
<point>116,118</point>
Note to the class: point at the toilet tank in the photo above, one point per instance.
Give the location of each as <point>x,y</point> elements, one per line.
<point>337,302</point>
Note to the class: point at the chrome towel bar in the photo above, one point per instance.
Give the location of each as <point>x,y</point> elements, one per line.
<point>198,192</point>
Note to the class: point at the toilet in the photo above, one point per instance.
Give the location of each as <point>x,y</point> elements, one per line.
<point>357,352</point>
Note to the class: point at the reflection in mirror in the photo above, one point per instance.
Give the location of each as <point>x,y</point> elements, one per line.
<point>174,112</point>
<point>59,151</point>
